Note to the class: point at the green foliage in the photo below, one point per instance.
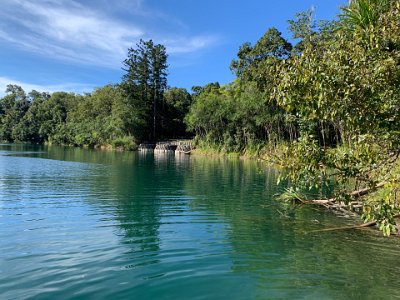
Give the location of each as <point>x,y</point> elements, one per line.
<point>176,105</point>
<point>12,109</point>
<point>350,84</point>
<point>235,118</point>
<point>111,115</point>
<point>65,118</point>
<point>99,117</point>
<point>292,195</point>
<point>303,27</point>
<point>306,30</point>
<point>269,48</point>
<point>139,108</point>
<point>124,143</point>
<point>363,13</point>
<point>144,84</point>
<point>28,128</point>
<point>336,97</point>
<point>238,117</point>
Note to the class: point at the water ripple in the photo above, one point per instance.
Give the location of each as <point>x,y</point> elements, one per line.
<point>82,224</point>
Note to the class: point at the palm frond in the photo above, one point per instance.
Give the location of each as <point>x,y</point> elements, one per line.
<point>363,13</point>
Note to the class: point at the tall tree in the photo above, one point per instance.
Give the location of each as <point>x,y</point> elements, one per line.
<point>250,59</point>
<point>145,81</point>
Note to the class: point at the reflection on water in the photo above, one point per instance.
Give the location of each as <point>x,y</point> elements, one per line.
<point>80,223</point>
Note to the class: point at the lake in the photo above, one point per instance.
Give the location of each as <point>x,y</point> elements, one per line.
<point>86,224</point>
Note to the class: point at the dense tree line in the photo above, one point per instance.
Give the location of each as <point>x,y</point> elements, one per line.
<point>140,108</point>
<point>348,83</point>
<point>328,105</point>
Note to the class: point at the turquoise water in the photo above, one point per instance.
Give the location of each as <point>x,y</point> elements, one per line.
<point>85,224</point>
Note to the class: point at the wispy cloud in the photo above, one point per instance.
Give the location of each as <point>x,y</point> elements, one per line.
<point>66,87</point>
<point>181,45</point>
<point>74,31</point>
<point>67,31</point>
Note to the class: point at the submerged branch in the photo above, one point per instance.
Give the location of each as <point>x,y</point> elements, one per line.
<point>368,224</point>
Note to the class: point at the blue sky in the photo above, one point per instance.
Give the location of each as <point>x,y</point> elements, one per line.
<point>77,45</point>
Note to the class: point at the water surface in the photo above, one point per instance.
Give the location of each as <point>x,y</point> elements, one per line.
<point>84,224</point>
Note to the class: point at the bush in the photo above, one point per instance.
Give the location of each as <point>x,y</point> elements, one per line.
<point>124,143</point>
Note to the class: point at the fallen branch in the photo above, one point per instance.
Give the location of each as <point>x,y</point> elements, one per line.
<point>354,194</point>
<point>368,224</point>
<point>366,191</point>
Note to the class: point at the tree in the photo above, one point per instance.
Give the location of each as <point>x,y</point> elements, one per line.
<point>363,13</point>
<point>56,111</point>
<point>270,46</point>
<point>177,102</point>
<point>12,109</point>
<point>158,84</point>
<point>350,82</point>
<point>28,128</point>
<point>144,83</point>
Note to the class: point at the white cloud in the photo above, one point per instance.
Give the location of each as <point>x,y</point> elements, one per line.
<point>68,32</point>
<point>181,45</point>
<point>67,87</point>
<point>74,31</point>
